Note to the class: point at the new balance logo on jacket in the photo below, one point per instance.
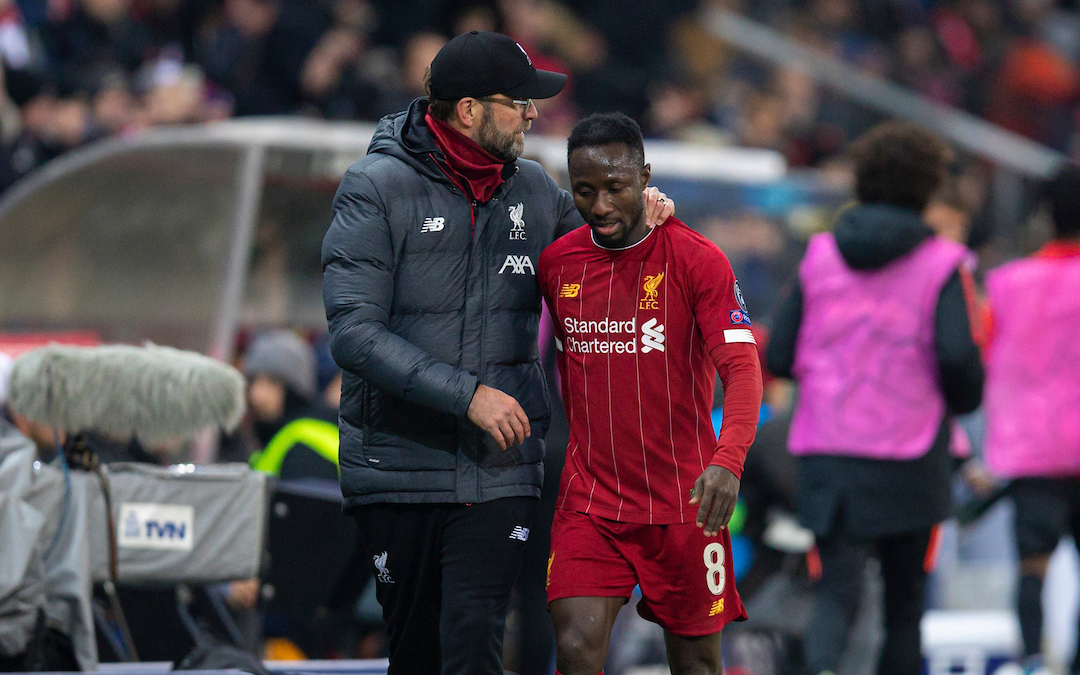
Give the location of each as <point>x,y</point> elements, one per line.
<point>520,533</point>
<point>433,224</point>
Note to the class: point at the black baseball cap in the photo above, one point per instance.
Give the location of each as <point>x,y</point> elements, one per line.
<point>480,63</point>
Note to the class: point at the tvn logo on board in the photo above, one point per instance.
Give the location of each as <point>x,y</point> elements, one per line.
<point>157,526</point>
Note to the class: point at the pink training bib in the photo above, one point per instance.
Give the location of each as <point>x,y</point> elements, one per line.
<point>865,360</point>
<point>1033,369</point>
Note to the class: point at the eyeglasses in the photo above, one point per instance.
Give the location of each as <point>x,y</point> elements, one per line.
<point>519,104</point>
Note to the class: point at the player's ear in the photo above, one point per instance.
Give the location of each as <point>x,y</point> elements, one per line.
<point>646,175</point>
<point>468,110</point>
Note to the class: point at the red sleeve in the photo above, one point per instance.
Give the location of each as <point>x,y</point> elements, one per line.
<point>725,327</point>
<point>978,314</point>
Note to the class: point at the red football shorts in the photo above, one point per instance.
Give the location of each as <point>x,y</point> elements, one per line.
<point>685,577</point>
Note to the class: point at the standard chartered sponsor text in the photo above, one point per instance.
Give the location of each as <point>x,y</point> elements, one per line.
<point>576,330</point>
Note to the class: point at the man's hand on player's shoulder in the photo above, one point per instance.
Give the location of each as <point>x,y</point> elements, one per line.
<point>500,415</point>
<point>658,207</point>
<point>716,490</point>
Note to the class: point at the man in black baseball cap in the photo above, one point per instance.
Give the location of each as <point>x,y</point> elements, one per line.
<point>434,308</point>
<point>482,64</point>
<point>478,69</point>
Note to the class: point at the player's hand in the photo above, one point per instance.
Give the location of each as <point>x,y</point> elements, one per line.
<point>658,207</point>
<point>500,415</point>
<point>717,490</point>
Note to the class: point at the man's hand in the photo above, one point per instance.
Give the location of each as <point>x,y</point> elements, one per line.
<point>717,490</point>
<point>500,415</point>
<point>658,207</point>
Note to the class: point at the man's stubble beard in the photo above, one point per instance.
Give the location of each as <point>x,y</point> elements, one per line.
<point>505,147</point>
<point>623,240</point>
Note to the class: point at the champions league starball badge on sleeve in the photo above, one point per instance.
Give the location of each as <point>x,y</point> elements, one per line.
<point>742,303</point>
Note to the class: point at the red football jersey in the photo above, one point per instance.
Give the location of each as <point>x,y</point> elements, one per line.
<point>641,333</point>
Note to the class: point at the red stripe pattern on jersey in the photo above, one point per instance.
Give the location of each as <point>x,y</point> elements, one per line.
<point>640,332</point>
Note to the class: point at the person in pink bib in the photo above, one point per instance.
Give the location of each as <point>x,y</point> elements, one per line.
<point>877,335</point>
<point>1033,399</point>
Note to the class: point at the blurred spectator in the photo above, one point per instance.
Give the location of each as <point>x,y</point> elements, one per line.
<point>325,69</point>
<point>95,37</point>
<point>296,431</point>
<point>877,335</point>
<point>947,214</point>
<point>1035,93</point>
<point>921,66</point>
<point>1032,399</point>
<point>256,49</point>
<point>172,22</point>
<point>77,70</point>
<point>462,17</point>
<point>678,109</point>
<point>416,56</point>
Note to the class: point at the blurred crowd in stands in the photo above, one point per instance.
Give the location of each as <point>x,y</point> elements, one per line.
<point>79,70</point>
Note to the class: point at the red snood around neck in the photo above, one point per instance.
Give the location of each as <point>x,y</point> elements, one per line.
<point>481,170</point>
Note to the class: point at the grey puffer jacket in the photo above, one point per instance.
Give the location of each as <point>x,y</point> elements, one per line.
<point>429,294</point>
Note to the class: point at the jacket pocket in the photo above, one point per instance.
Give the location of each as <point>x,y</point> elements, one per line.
<point>403,436</point>
<point>527,383</point>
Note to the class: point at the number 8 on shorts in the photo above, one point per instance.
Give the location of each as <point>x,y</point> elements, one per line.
<point>716,575</point>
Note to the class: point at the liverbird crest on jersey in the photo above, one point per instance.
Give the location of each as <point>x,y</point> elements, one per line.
<point>649,300</point>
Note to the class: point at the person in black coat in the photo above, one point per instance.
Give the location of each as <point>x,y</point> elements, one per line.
<point>858,506</point>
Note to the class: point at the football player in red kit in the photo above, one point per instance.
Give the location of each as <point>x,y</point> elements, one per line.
<point>644,320</point>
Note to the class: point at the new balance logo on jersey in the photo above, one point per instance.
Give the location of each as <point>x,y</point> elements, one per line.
<point>652,336</point>
<point>380,565</point>
<point>569,290</point>
<point>518,264</point>
<point>520,533</point>
<point>517,215</point>
<point>433,224</point>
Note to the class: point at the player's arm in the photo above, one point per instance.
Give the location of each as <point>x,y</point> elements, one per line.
<point>725,327</point>
<point>358,289</point>
<point>960,365</point>
<point>784,334</point>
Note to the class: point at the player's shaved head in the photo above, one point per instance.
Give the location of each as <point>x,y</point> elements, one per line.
<point>606,158</point>
<point>606,129</point>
